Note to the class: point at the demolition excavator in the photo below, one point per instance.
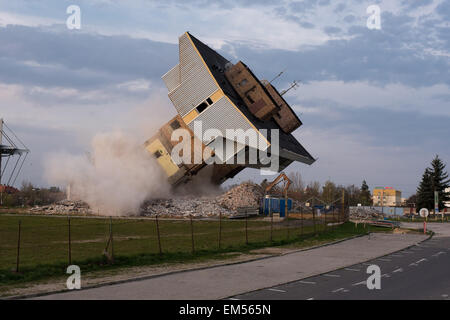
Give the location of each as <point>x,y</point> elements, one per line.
<point>282,177</point>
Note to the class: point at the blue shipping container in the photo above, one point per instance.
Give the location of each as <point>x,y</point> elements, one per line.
<point>275,205</point>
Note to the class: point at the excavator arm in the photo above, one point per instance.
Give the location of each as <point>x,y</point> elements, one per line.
<point>278,179</point>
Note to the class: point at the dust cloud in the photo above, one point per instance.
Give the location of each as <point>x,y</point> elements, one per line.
<point>115,178</point>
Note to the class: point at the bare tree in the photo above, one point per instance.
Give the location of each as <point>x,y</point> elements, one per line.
<point>297,182</point>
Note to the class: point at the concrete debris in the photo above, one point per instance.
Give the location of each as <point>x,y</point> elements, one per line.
<point>244,195</point>
<point>364,213</point>
<point>185,207</point>
<point>63,207</point>
<point>227,204</point>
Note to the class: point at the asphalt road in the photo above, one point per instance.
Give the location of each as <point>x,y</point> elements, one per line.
<point>419,272</point>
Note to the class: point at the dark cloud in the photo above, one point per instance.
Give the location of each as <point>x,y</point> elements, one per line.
<point>395,54</point>
<point>350,18</point>
<point>412,4</point>
<point>79,59</point>
<point>384,127</point>
<point>340,7</point>
<point>307,25</point>
<point>332,30</point>
<point>303,6</point>
<point>444,10</point>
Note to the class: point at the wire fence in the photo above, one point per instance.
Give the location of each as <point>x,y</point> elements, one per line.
<point>28,241</point>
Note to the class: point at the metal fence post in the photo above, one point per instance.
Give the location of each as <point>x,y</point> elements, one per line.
<point>287,218</point>
<point>314,217</point>
<point>220,228</point>
<point>301,217</point>
<point>334,218</point>
<point>18,248</point>
<point>192,234</point>
<point>246,228</point>
<point>112,239</point>
<point>70,243</point>
<point>271,221</point>
<point>159,237</point>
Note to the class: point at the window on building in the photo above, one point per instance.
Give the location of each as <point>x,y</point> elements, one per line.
<point>201,107</point>
<point>157,154</point>
<point>175,125</point>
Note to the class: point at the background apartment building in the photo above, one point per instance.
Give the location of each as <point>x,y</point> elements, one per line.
<point>387,197</point>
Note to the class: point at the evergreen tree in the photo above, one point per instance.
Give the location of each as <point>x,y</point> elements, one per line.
<point>433,179</point>
<point>366,197</point>
<point>425,197</point>
<point>440,181</point>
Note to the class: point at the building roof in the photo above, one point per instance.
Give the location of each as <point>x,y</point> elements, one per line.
<point>217,65</point>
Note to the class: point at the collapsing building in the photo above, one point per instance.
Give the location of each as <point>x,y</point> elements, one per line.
<point>208,89</point>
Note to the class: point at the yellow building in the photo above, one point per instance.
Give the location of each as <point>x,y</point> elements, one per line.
<point>387,197</point>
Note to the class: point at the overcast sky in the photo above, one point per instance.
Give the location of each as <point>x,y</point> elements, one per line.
<point>375,104</point>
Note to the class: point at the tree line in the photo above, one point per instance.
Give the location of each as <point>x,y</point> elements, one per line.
<point>434,179</point>
<point>30,195</point>
<point>327,193</point>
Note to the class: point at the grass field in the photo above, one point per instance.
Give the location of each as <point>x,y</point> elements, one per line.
<point>44,242</point>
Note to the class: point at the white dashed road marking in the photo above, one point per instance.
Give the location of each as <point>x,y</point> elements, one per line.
<point>355,270</point>
<point>398,270</point>
<point>421,260</point>
<point>332,275</point>
<point>337,290</point>
<point>415,264</point>
<point>359,283</point>
<point>307,282</point>
<point>276,290</point>
<point>438,254</point>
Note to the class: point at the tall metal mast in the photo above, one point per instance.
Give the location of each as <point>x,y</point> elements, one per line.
<point>9,149</point>
<point>293,86</point>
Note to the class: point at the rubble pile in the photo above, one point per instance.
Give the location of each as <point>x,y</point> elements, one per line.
<point>63,207</point>
<point>244,195</point>
<point>364,213</point>
<point>185,207</point>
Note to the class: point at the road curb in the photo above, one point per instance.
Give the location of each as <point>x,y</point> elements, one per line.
<point>35,295</point>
